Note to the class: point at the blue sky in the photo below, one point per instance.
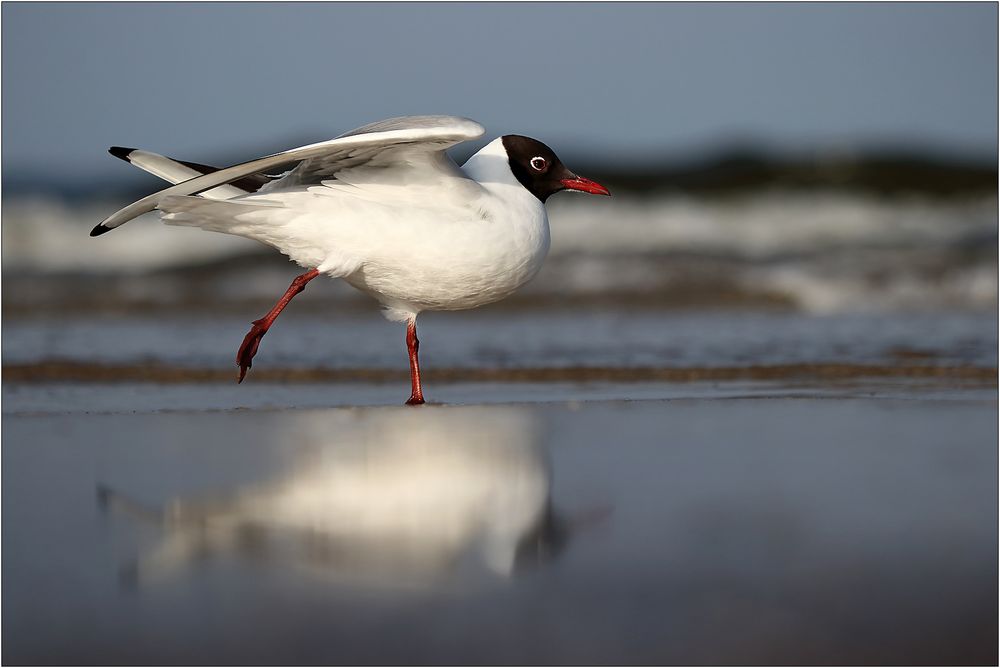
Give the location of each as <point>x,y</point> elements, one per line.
<point>619,81</point>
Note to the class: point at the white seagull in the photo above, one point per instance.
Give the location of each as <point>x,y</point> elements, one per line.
<point>384,208</point>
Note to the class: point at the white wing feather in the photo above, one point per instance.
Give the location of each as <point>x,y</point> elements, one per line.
<point>400,149</point>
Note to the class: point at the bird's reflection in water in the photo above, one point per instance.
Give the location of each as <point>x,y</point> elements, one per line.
<point>379,497</point>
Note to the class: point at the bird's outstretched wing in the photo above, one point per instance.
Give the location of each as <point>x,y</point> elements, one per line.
<point>395,145</point>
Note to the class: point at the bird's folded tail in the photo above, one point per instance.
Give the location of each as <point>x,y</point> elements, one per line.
<point>177,171</point>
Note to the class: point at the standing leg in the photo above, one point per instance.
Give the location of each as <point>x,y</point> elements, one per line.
<point>244,356</point>
<point>413,345</point>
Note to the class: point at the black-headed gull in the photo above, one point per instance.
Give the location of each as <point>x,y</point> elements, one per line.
<point>382,207</point>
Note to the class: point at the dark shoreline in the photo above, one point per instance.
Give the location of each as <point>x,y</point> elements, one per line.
<point>71,371</point>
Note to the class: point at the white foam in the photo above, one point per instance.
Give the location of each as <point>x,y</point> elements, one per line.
<point>50,235</point>
<point>821,251</point>
<point>765,224</point>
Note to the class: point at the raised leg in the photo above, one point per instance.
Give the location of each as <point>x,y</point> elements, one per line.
<point>244,356</point>
<point>413,345</point>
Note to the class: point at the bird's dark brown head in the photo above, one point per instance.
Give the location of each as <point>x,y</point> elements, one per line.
<point>538,168</point>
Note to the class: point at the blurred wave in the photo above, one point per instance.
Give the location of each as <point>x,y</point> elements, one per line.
<point>819,251</point>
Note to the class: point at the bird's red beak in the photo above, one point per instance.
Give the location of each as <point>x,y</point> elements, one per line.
<point>585,185</point>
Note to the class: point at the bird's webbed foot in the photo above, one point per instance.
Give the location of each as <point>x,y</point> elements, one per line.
<point>244,356</point>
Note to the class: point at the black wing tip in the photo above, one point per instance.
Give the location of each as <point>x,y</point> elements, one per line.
<point>99,230</point>
<point>120,152</point>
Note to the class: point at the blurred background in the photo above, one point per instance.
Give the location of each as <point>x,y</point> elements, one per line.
<point>791,182</point>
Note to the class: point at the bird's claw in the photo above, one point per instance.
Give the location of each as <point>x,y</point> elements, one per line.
<point>244,356</point>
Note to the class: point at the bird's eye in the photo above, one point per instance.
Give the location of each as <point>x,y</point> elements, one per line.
<point>539,164</point>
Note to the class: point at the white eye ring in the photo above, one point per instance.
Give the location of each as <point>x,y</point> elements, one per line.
<point>538,163</point>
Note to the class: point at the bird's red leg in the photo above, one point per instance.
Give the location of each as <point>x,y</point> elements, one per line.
<point>413,345</point>
<point>244,356</point>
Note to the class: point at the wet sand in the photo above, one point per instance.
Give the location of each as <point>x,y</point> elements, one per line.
<point>815,373</point>
<point>732,522</point>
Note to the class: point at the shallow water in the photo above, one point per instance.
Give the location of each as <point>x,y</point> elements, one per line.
<point>796,530</point>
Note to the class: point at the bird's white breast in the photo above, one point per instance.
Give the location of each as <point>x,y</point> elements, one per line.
<point>457,262</point>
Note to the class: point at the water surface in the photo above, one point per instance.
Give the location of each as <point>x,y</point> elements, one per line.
<point>793,530</point>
